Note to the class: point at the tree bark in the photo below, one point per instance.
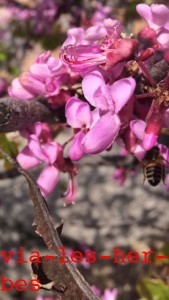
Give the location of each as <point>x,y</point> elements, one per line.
<point>19,114</point>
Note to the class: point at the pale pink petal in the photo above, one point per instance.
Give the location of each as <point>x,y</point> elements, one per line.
<point>84,115</point>
<point>48,180</point>
<point>26,159</point>
<point>90,83</point>
<point>163,39</point>
<point>103,98</point>
<point>18,91</point>
<point>121,92</point>
<point>139,152</point>
<point>40,71</point>
<point>138,128</point>
<point>77,113</point>
<point>36,149</point>
<point>33,85</point>
<point>76,151</point>
<point>145,12</point>
<point>102,134</point>
<point>160,14</point>
<point>51,151</point>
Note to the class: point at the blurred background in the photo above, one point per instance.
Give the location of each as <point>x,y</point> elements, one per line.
<point>109,213</point>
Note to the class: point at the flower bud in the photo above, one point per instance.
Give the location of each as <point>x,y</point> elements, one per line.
<point>152,131</point>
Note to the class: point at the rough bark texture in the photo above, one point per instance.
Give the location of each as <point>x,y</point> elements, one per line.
<point>18,114</point>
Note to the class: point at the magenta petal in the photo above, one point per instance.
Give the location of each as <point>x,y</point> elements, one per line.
<point>76,151</point>
<point>121,92</point>
<point>26,159</point>
<point>48,180</point>
<point>102,134</point>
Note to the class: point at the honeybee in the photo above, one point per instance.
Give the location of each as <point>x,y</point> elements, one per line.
<point>153,169</point>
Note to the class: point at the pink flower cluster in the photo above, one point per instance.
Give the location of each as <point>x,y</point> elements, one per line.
<point>97,79</point>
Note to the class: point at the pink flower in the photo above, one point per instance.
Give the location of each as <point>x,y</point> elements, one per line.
<point>110,52</point>
<point>157,17</point>
<point>97,129</point>
<point>42,149</point>
<point>110,295</point>
<point>45,77</point>
<point>107,97</point>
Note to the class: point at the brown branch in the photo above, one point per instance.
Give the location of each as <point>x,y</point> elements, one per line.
<point>19,114</point>
<point>68,278</point>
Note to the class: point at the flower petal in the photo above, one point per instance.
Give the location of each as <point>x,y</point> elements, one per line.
<point>90,84</point>
<point>138,128</point>
<point>145,12</point>
<point>78,113</point>
<point>102,134</point>
<point>51,150</point>
<point>121,92</point>
<point>48,180</point>
<point>26,159</point>
<point>76,151</point>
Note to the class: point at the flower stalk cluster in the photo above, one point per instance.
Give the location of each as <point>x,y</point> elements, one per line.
<point>103,80</point>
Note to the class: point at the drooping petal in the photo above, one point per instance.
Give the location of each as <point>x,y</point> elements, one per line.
<point>48,180</point>
<point>76,151</point>
<point>26,159</point>
<point>102,134</point>
<point>71,193</point>
<point>121,92</point>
